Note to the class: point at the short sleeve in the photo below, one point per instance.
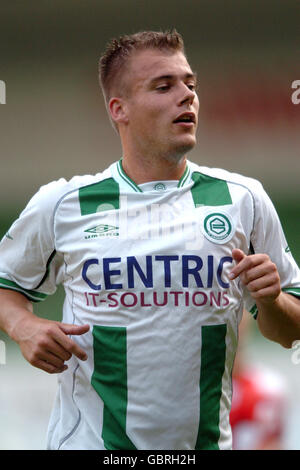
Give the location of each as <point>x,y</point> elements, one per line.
<point>268,237</point>
<point>29,262</point>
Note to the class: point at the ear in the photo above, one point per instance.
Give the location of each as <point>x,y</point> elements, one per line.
<point>118,111</point>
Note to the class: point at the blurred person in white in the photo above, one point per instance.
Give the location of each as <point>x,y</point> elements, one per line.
<point>258,415</point>
<point>157,256</point>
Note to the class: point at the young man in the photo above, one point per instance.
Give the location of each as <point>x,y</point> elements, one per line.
<point>157,256</point>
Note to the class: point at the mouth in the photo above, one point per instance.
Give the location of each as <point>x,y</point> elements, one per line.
<point>185,119</point>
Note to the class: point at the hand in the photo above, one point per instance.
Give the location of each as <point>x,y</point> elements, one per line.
<point>259,274</point>
<point>46,344</point>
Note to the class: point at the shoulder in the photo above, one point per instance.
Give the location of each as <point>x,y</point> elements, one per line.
<point>48,197</point>
<point>251,184</point>
<point>238,185</point>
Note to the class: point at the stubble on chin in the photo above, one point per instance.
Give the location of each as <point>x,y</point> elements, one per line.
<point>180,151</point>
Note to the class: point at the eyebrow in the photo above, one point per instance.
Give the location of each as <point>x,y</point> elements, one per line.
<point>171,77</point>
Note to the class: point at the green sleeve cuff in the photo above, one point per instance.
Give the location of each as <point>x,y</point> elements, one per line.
<point>31,295</point>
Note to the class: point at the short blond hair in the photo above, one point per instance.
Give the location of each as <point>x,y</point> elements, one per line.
<point>112,64</point>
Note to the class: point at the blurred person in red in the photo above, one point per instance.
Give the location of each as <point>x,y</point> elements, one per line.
<point>259,401</point>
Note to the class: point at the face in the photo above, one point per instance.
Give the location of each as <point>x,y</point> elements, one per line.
<point>161,106</point>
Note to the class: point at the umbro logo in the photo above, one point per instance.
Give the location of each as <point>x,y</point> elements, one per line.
<point>102,230</point>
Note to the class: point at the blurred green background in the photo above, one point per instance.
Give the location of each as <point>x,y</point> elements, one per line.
<point>54,124</point>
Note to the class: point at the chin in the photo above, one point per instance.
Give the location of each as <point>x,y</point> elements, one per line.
<point>184,147</point>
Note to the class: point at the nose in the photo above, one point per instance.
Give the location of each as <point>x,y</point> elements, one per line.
<point>187,95</point>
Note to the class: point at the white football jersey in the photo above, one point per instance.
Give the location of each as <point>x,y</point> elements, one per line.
<point>147,268</point>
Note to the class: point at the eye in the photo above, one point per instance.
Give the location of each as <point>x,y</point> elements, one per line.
<point>163,88</point>
<point>191,86</point>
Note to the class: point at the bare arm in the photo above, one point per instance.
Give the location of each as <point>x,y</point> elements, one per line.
<point>278,313</point>
<point>44,343</point>
<point>281,323</point>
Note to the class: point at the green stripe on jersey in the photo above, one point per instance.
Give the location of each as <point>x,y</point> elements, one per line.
<point>292,290</point>
<point>30,294</point>
<point>254,311</point>
<point>99,197</point>
<point>184,177</point>
<point>213,353</point>
<point>126,178</point>
<point>295,291</point>
<point>109,379</point>
<point>208,191</point>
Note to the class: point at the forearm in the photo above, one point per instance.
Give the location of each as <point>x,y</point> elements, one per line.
<point>278,312</point>
<point>44,343</point>
<point>280,321</point>
<point>14,307</point>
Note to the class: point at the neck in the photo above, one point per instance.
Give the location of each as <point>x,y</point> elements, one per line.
<point>143,170</point>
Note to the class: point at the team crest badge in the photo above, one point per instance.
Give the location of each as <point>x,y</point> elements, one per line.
<point>218,227</point>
